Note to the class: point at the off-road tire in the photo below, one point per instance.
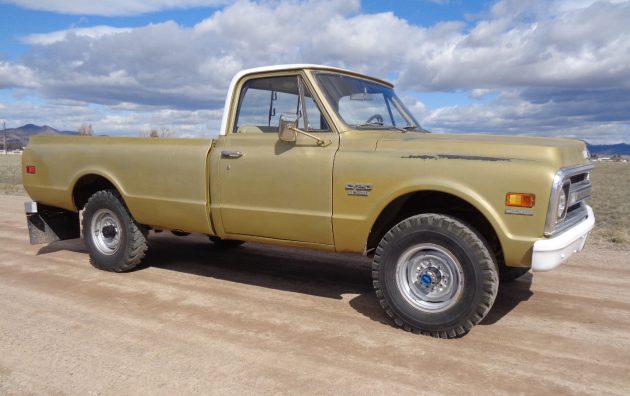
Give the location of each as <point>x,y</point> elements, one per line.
<point>226,243</point>
<point>132,243</point>
<point>478,274</point>
<point>510,274</point>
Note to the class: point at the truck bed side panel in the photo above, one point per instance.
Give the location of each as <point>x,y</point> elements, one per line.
<point>164,182</point>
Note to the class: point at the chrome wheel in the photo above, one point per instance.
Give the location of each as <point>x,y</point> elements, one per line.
<point>429,277</point>
<point>106,230</point>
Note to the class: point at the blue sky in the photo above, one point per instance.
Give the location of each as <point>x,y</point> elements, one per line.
<point>548,68</point>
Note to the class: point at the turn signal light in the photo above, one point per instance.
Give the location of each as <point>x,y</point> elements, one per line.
<point>31,169</point>
<point>521,200</point>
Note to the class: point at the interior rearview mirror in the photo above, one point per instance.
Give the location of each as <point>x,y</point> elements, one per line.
<point>286,131</point>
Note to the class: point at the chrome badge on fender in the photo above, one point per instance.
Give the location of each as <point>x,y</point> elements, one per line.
<point>358,189</point>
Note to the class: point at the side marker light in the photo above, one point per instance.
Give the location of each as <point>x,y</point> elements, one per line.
<point>521,200</point>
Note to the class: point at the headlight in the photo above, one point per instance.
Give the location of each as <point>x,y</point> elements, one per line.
<point>562,204</point>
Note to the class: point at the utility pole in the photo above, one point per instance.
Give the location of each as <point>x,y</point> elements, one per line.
<point>5,137</point>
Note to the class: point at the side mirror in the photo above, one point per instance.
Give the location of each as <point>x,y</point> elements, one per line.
<point>286,127</point>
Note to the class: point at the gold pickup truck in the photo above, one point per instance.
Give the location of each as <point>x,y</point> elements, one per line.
<point>323,158</point>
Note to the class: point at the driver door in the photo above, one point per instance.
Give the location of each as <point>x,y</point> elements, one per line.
<point>269,188</point>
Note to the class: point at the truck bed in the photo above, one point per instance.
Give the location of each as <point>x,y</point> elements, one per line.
<point>164,182</point>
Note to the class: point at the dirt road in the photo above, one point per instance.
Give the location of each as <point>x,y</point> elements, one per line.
<point>268,320</point>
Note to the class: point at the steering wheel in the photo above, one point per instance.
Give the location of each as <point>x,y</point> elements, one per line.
<point>376,117</point>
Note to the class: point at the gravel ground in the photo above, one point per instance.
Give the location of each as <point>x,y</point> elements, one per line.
<point>261,320</point>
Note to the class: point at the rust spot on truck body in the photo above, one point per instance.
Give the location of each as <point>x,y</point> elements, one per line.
<point>424,157</point>
<point>456,157</point>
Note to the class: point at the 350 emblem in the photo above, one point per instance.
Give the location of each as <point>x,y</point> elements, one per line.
<point>358,189</point>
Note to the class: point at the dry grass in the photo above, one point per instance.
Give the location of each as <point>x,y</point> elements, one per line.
<point>10,174</point>
<point>610,201</point>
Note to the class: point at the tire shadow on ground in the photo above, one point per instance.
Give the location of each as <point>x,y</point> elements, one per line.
<point>510,295</point>
<point>73,245</point>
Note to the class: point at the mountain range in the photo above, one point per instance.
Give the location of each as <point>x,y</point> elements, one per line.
<point>17,138</point>
<point>609,149</point>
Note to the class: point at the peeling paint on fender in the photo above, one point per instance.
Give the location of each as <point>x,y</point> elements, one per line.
<point>456,157</point>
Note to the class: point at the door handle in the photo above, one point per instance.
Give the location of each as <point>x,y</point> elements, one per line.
<point>231,154</point>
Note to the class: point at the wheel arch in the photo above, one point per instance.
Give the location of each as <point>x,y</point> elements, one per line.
<point>89,183</point>
<point>440,202</point>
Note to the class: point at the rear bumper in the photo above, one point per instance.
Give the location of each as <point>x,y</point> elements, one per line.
<point>550,253</point>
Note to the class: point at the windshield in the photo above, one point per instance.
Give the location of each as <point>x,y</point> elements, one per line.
<point>366,104</point>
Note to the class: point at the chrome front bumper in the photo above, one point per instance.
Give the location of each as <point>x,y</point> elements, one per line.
<point>550,253</point>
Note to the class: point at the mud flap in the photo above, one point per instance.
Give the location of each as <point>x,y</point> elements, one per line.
<point>49,224</point>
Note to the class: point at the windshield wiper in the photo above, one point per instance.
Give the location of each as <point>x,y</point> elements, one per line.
<point>370,124</point>
<point>412,127</point>
<point>380,125</point>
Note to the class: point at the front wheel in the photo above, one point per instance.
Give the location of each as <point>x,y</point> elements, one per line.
<point>434,275</point>
<point>113,239</point>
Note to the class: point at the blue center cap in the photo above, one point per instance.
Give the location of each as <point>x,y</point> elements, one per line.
<point>426,280</point>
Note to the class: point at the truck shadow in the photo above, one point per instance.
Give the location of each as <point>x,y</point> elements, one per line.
<point>299,271</point>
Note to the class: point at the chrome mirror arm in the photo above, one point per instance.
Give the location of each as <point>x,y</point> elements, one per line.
<point>320,142</point>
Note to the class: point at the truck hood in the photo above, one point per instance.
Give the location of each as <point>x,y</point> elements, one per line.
<point>556,151</point>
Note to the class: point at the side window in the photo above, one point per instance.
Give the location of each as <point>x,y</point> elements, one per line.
<point>263,100</point>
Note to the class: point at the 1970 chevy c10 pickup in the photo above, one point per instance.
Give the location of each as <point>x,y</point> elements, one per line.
<point>318,157</point>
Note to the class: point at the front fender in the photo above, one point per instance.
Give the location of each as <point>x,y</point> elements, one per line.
<point>482,184</point>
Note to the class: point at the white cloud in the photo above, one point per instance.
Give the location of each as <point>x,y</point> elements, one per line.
<point>554,66</point>
<point>16,76</point>
<point>111,7</point>
<point>479,93</point>
<point>169,65</point>
<point>93,32</point>
<point>582,47</point>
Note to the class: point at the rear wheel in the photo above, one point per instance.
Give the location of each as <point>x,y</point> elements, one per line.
<point>114,240</point>
<point>434,275</point>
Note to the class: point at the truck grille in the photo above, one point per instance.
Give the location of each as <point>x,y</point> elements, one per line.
<point>579,178</point>
<point>574,207</point>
